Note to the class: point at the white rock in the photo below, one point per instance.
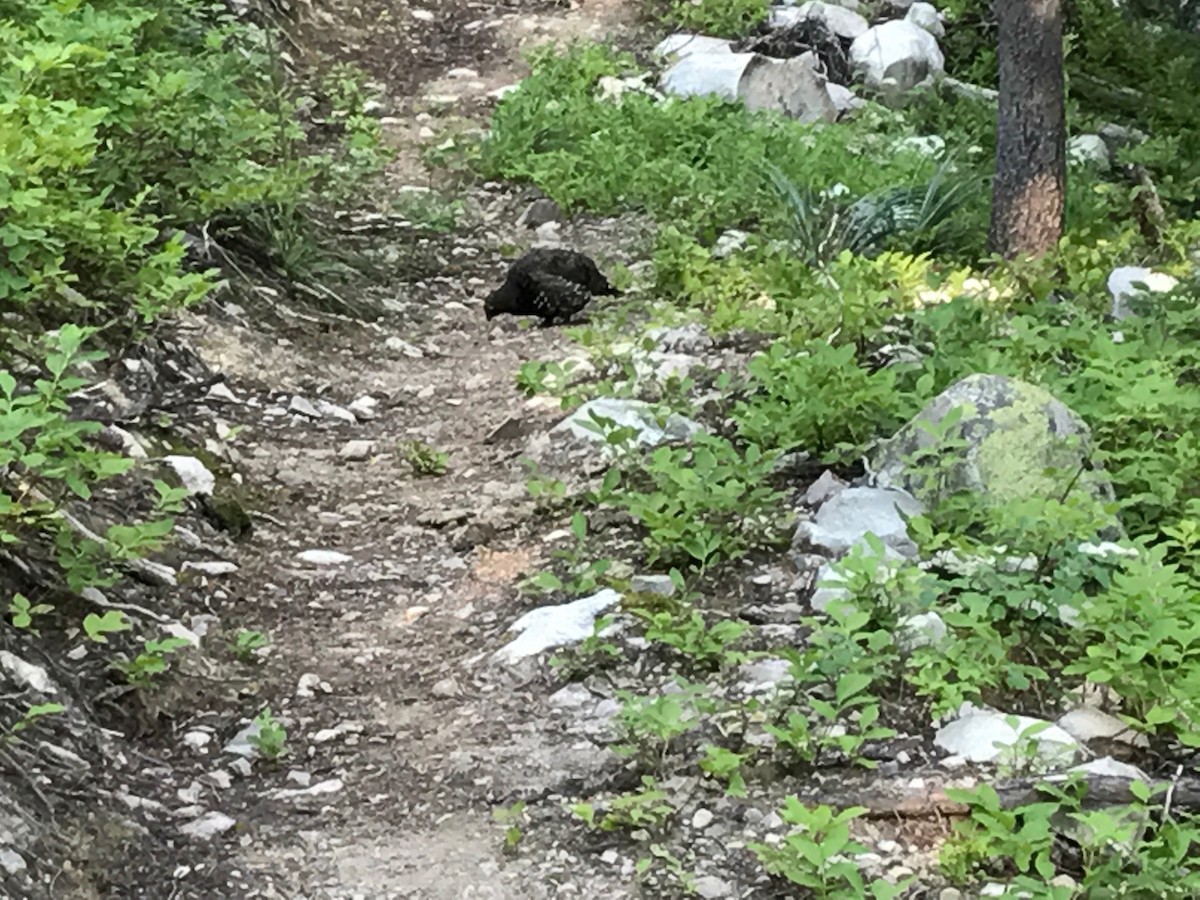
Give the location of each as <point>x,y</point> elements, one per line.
<point>242,743</point>
<point>682,44</point>
<point>923,630</point>
<point>210,567</point>
<point>27,674</point>
<point>846,519</point>
<point>710,887</point>
<point>984,735</point>
<point>333,411</point>
<point>897,54</point>
<point>925,15</point>
<point>221,391</point>
<point>556,626</point>
<point>702,819</point>
<point>303,406</point>
<point>323,557</point>
<point>844,99</point>
<point>208,826</point>
<point>662,585</point>
<point>192,473</point>
<point>635,414</point>
<point>357,450</point>
<point>330,786</point>
<point>11,861</point>
<point>843,22</point>
<point>1126,282</point>
<point>197,739</point>
<point>364,407</point>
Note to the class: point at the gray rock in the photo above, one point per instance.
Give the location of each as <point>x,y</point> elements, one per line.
<point>828,485</point>
<point>896,55</point>
<point>1009,436</point>
<point>1089,151</point>
<point>846,519</point>
<point>539,212</point>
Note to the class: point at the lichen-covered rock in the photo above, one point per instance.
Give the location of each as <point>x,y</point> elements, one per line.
<point>1013,441</point>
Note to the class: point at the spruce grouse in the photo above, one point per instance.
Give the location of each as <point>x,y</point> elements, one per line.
<point>551,283</point>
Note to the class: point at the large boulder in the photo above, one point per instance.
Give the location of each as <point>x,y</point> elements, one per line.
<point>897,55</point>
<point>1013,441</point>
<point>793,87</point>
<point>1125,283</point>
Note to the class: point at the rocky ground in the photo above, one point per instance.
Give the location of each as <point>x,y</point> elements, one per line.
<point>387,579</point>
<point>402,736</point>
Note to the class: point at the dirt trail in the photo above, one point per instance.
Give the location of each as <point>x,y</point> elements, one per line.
<point>380,668</point>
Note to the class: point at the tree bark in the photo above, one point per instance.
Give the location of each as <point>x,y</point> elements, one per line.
<point>1031,173</point>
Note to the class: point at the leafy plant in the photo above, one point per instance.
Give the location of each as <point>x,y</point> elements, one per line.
<point>815,854</point>
<point>424,459</point>
<point>269,736</point>
<point>247,643</point>
<point>152,661</point>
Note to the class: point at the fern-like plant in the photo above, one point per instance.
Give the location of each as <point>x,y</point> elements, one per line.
<point>826,223</point>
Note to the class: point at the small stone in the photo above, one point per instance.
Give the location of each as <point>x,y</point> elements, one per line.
<point>702,819</point>
<point>193,474</point>
<point>355,451</point>
<point>303,407</point>
<point>950,894</point>
<point>710,887</point>
<point>423,15</point>
<point>197,740</point>
<point>364,407</point>
<point>323,557</point>
<point>446,688</point>
<point>213,567</point>
<point>208,826</point>
<point>659,585</point>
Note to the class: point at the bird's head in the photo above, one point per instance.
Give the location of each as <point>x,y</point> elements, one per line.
<point>497,302</point>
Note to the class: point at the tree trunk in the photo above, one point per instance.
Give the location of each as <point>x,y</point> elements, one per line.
<point>1031,172</point>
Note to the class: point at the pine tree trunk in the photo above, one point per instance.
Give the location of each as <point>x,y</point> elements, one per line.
<point>1031,172</point>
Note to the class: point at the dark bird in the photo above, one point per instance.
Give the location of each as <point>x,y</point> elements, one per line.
<point>551,283</point>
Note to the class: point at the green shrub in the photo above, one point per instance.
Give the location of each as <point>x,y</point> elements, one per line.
<point>121,121</point>
<point>681,160</point>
